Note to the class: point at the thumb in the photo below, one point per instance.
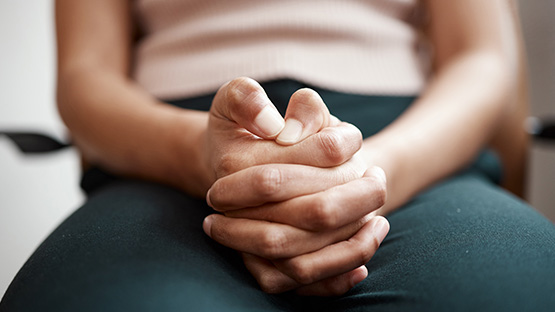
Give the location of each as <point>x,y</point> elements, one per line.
<point>243,101</point>
<point>306,114</point>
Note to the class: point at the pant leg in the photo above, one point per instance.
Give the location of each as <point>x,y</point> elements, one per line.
<point>464,245</point>
<point>135,246</point>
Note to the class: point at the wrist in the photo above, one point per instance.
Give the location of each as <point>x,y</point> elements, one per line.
<point>189,167</point>
<point>387,154</point>
<point>381,153</point>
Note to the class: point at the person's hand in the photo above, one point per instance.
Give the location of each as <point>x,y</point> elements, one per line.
<point>325,272</point>
<point>317,243</point>
<point>243,124</point>
<point>259,185</point>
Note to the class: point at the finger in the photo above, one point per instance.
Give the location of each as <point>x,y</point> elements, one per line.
<point>273,240</point>
<point>330,147</point>
<point>306,114</point>
<point>334,121</point>
<point>325,210</point>
<point>272,281</point>
<point>243,101</point>
<point>338,258</point>
<point>262,184</point>
<point>335,286</point>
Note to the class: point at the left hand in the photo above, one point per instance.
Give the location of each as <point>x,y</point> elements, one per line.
<point>330,271</point>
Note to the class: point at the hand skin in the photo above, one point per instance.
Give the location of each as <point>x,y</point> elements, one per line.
<point>285,217</point>
<point>232,151</point>
<point>326,262</point>
<point>236,139</point>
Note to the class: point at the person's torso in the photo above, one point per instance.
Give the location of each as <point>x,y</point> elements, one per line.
<point>192,47</point>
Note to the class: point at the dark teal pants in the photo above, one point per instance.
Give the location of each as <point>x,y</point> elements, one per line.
<point>462,245</point>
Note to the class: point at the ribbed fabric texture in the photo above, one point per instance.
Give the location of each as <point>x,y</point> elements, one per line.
<point>192,47</point>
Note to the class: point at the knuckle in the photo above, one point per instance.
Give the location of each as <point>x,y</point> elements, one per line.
<point>380,191</point>
<point>359,165</point>
<point>304,96</point>
<point>375,244</point>
<point>220,234</point>
<point>272,244</point>
<point>307,102</point>
<point>237,89</point>
<point>232,162</point>
<point>301,271</point>
<point>358,224</point>
<point>226,165</point>
<point>365,253</point>
<point>335,288</point>
<point>268,283</point>
<point>217,190</point>
<point>322,215</point>
<point>355,135</point>
<point>233,94</point>
<point>332,146</point>
<point>267,181</point>
<point>381,196</point>
<point>351,170</point>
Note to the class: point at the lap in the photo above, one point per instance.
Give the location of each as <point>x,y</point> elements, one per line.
<point>463,244</point>
<point>134,246</point>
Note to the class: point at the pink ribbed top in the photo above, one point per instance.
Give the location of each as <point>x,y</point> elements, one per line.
<point>191,47</point>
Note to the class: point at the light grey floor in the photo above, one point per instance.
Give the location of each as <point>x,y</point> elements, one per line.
<point>37,193</point>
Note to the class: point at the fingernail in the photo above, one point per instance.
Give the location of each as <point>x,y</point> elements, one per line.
<point>208,199</point>
<point>207,225</point>
<point>269,121</point>
<point>381,228</point>
<point>291,132</point>
<point>359,276</point>
<point>379,173</point>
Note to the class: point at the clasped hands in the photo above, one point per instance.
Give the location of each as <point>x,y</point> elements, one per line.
<point>295,198</point>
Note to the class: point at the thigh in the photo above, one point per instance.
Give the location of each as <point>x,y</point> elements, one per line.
<point>135,246</point>
<point>464,245</point>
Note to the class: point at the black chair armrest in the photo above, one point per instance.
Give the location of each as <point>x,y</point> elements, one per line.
<point>34,142</point>
<point>541,128</point>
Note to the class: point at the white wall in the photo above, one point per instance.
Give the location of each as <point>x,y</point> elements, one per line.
<point>36,193</point>
<point>538,18</point>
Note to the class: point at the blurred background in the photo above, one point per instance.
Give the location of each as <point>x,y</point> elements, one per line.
<point>38,192</point>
